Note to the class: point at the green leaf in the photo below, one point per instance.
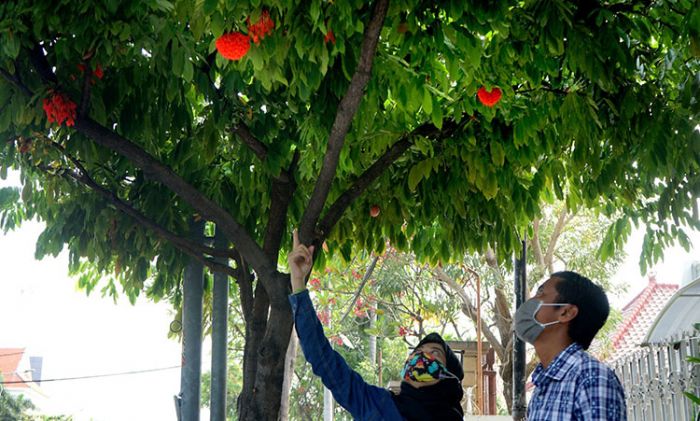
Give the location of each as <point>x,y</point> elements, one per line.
<point>427,101</point>
<point>498,155</point>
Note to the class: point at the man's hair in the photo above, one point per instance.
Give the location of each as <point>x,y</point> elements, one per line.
<point>592,303</point>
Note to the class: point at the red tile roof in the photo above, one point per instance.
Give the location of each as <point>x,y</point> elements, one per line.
<point>638,316</point>
<point>9,362</point>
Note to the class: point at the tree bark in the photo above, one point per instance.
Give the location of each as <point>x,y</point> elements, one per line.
<point>289,361</point>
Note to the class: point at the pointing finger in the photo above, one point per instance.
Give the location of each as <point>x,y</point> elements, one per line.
<point>295,238</point>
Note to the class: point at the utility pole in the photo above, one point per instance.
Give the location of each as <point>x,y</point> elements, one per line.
<point>219,335</point>
<point>519,405</point>
<point>191,371</point>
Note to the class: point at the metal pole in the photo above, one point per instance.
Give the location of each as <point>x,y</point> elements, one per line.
<point>219,335</point>
<point>191,372</point>
<point>479,368</point>
<point>519,405</point>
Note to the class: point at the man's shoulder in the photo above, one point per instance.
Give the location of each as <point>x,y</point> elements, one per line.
<point>583,362</point>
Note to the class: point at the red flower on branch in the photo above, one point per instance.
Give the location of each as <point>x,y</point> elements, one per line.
<point>403,331</point>
<point>99,73</point>
<point>329,37</point>
<point>315,283</point>
<point>324,316</point>
<point>489,98</point>
<point>261,28</point>
<point>233,45</point>
<point>59,108</point>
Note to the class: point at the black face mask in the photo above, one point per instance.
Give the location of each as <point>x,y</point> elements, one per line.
<point>439,402</point>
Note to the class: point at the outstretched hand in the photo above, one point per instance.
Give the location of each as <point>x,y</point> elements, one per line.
<point>300,262</point>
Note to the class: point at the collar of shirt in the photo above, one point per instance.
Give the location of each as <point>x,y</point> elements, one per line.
<point>561,364</point>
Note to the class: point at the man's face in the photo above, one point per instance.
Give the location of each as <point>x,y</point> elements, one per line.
<point>547,293</point>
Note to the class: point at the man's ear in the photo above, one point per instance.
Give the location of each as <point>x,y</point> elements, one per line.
<point>569,313</point>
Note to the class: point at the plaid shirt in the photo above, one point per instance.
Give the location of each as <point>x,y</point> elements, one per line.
<point>576,386</point>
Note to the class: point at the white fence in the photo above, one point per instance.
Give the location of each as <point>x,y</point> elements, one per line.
<point>656,377</point>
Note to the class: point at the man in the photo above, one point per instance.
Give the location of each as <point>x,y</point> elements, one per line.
<point>560,321</point>
<point>431,386</point>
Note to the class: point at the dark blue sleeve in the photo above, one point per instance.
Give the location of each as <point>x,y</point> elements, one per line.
<point>362,400</point>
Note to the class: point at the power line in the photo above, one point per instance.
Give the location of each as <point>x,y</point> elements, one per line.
<point>123,373</point>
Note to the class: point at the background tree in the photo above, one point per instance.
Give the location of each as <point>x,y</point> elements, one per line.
<point>14,407</point>
<point>560,240</point>
<point>123,116</point>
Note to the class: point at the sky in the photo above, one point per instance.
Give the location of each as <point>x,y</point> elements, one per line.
<point>78,335</point>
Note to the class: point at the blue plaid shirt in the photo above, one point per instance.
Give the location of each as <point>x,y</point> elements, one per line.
<point>363,401</point>
<point>576,386</point>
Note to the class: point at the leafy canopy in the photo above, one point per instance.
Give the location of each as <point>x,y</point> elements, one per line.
<point>599,108</point>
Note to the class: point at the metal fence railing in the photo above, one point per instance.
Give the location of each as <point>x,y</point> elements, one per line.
<point>655,378</point>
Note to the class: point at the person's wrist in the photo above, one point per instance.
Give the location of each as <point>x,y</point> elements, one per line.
<point>298,284</point>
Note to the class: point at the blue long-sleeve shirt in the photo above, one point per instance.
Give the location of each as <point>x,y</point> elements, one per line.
<point>364,401</point>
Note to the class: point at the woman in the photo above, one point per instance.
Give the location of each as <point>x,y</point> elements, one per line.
<point>431,378</point>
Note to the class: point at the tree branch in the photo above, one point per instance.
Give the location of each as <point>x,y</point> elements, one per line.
<point>158,171</point>
<point>470,311</point>
<point>535,242</point>
<point>368,274</point>
<point>346,111</point>
<point>14,80</point>
<point>558,228</point>
<point>258,148</point>
<point>181,244</point>
<point>336,210</point>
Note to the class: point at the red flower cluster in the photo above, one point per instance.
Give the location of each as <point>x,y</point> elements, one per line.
<point>233,45</point>
<point>336,339</point>
<point>315,283</point>
<point>264,26</point>
<point>360,308</point>
<point>329,37</point>
<point>489,98</point>
<point>99,73</point>
<point>59,108</point>
<point>324,316</point>
<point>403,331</point>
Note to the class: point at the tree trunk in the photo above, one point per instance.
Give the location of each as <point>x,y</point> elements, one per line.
<point>290,359</point>
<point>260,398</point>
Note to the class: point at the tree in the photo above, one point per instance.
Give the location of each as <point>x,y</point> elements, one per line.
<point>114,109</point>
<point>560,240</point>
<point>14,407</point>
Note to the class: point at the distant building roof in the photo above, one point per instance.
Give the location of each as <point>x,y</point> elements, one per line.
<point>9,363</point>
<point>639,315</point>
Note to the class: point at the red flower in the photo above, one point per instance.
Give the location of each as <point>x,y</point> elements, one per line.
<point>315,283</point>
<point>262,27</point>
<point>489,98</point>
<point>337,340</point>
<point>98,70</point>
<point>403,331</point>
<point>329,37</point>
<point>233,45</point>
<point>59,108</point>
<point>324,316</point>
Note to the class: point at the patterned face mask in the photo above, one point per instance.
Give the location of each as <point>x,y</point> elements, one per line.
<point>422,367</point>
